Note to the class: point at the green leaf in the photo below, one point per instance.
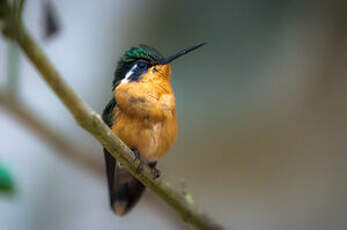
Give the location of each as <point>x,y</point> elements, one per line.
<point>6,182</point>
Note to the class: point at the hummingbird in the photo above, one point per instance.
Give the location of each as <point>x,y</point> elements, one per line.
<point>142,113</point>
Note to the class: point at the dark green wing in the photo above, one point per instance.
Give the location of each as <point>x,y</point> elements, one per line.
<point>124,189</point>
<point>107,114</point>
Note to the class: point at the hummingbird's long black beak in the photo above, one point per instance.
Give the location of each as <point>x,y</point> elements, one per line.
<point>167,60</point>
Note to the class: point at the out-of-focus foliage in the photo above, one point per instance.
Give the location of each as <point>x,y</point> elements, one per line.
<point>6,181</point>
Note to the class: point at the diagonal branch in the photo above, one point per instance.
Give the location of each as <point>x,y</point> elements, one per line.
<point>89,120</point>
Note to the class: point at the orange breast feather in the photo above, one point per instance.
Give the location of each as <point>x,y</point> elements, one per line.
<point>146,115</point>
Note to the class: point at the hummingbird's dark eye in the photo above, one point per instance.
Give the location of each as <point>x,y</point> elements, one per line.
<point>142,65</point>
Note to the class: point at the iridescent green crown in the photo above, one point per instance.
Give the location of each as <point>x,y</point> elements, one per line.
<point>142,52</point>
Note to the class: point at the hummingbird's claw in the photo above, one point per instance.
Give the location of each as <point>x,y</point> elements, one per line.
<point>138,156</point>
<point>155,171</point>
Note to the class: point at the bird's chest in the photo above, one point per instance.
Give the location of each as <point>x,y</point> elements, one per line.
<point>147,125</point>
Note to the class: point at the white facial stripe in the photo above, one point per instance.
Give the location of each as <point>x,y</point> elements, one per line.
<point>129,73</point>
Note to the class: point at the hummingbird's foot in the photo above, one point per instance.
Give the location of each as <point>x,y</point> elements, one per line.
<point>155,171</point>
<point>137,153</point>
<point>140,166</point>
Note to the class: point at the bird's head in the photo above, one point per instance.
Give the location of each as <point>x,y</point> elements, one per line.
<point>144,61</point>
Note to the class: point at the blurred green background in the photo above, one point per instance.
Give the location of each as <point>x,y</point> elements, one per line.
<point>262,113</point>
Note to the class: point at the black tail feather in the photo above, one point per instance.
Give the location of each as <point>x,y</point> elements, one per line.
<point>124,189</point>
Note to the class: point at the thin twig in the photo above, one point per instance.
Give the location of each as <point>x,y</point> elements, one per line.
<point>13,62</point>
<point>76,154</point>
<point>20,8</point>
<point>92,122</point>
